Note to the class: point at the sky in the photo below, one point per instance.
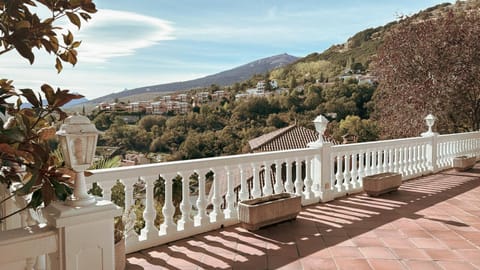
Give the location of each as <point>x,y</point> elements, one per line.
<point>130,44</point>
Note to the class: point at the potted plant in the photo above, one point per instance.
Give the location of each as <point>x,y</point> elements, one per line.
<point>122,226</point>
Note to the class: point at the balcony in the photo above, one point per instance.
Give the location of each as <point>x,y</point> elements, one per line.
<point>432,221</point>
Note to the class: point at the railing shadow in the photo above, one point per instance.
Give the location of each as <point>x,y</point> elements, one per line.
<point>317,228</point>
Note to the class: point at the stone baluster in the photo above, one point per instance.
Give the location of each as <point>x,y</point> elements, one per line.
<point>185,222</point>
<point>333,179</point>
<point>278,177</point>
<point>149,214</point>
<point>416,160</point>
<point>347,177</point>
<point>443,155</point>
<point>298,177</point>
<point>129,204</point>
<point>217,214</point>
<point>451,153</point>
<point>361,167</point>
<point>267,187</point>
<point>243,194</point>
<point>410,160</point>
<point>384,155</point>
<point>256,191</point>
<point>400,160</point>
<point>374,162</point>
<point>395,159</point>
<point>106,190</point>
<point>404,160</point>
<point>168,210</point>
<point>380,161</point>
<point>339,174</point>
<point>368,162</point>
<point>201,218</point>
<point>354,172</point>
<point>308,193</point>
<point>230,209</point>
<point>423,157</point>
<point>390,159</point>
<point>288,181</point>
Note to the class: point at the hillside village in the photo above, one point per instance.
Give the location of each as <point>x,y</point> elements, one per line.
<point>182,103</point>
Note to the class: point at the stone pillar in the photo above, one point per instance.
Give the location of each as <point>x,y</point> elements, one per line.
<point>432,146</point>
<point>321,169</point>
<point>85,234</point>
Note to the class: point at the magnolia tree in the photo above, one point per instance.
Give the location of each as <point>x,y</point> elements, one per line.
<point>430,66</point>
<point>26,133</point>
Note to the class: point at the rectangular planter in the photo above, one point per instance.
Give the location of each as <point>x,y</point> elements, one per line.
<point>256,213</point>
<point>463,163</point>
<point>377,184</point>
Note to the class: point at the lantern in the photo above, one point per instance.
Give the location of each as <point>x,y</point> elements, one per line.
<point>78,140</point>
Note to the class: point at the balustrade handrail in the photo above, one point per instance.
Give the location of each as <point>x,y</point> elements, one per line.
<point>382,143</point>
<point>194,164</point>
<point>466,135</point>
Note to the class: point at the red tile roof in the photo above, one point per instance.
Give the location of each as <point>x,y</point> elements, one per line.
<point>291,137</point>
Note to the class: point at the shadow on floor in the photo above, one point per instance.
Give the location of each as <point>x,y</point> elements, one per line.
<point>317,228</point>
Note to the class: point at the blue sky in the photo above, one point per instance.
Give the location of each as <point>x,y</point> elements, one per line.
<point>130,44</point>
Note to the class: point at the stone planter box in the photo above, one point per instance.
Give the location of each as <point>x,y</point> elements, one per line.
<point>377,184</point>
<point>256,213</point>
<point>463,163</point>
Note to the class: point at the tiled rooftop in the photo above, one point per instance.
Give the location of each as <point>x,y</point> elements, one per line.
<point>432,222</point>
<point>291,137</point>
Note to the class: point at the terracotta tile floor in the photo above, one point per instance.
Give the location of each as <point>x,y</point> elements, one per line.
<point>432,222</point>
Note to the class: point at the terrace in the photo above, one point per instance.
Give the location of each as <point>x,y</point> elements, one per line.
<point>432,221</point>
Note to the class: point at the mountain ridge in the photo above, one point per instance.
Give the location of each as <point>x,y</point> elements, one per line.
<point>223,78</point>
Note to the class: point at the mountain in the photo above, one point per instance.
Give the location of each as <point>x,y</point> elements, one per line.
<point>223,78</point>
<point>75,102</point>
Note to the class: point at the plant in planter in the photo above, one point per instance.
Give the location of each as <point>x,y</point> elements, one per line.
<point>27,133</point>
<point>122,226</point>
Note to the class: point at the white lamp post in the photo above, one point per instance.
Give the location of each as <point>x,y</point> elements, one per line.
<point>78,140</point>
<point>430,120</point>
<point>320,123</point>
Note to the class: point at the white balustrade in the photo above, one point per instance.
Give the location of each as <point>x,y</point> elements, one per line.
<point>317,174</point>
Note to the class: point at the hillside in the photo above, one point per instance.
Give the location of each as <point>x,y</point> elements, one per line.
<point>223,78</point>
<point>358,51</point>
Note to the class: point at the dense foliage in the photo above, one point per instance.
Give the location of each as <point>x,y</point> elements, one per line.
<point>224,127</point>
<point>430,66</point>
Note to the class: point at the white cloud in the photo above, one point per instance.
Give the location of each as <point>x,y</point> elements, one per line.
<point>113,33</point>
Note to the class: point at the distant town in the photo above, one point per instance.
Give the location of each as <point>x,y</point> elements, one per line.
<point>183,103</point>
